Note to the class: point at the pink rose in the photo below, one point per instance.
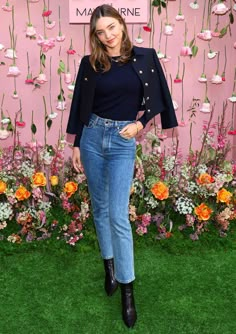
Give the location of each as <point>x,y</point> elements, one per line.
<point>186,51</point>
<point>168,30</point>
<point>46,44</point>
<point>179,17</point>
<point>4,134</point>
<point>220,9</point>
<point>205,35</point>
<point>60,38</point>
<point>50,25</point>
<point>61,105</point>
<point>202,78</point>
<point>30,31</point>
<point>183,123</point>
<point>216,79</point>
<point>41,79</point>
<point>10,53</point>
<point>13,71</point>
<point>7,8</point>
<point>67,78</point>
<point>205,107</point>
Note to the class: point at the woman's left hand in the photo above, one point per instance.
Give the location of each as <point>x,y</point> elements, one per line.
<point>131,130</point>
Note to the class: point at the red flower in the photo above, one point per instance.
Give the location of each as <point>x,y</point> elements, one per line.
<point>47,13</point>
<point>71,52</point>
<point>232,132</point>
<point>177,80</point>
<point>20,124</point>
<point>29,81</point>
<point>147,28</point>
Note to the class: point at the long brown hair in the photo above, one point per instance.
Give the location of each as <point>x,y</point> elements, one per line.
<point>99,58</point>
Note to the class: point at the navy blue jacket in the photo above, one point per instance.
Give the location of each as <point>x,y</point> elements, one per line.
<point>156,98</point>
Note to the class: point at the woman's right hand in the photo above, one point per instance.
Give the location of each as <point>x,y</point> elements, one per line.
<point>76,159</point>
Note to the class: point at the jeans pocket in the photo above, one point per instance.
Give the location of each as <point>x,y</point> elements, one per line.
<point>91,124</point>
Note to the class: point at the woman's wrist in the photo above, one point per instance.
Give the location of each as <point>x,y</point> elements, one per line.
<point>139,126</point>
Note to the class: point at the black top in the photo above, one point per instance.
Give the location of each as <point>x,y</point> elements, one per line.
<point>119,93</point>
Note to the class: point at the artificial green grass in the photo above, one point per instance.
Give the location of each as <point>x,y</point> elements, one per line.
<point>181,287</point>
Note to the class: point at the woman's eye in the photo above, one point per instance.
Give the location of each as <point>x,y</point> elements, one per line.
<point>112,27</point>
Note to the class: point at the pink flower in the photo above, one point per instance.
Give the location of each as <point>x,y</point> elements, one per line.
<point>1,47</point>
<point>50,24</point>
<point>29,81</point>
<point>67,78</point>
<point>177,80</point>
<point>235,45</point>
<point>162,135</point>
<point>20,124</point>
<point>30,31</point>
<point>46,44</point>
<point>41,79</point>
<point>7,8</point>
<point>216,79</point>
<point>34,145</point>
<point>61,105</point>
<point>179,17</point>
<point>202,78</point>
<point>46,13</point>
<point>13,71</point>
<point>168,30</point>
<point>232,132</point>
<point>205,107</point>
<point>166,59</point>
<point>220,9</point>
<point>10,53</point>
<point>71,52</point>
<point>186,51</point>
<point>183,123</point>
<point>215,33</point>
<point>60,38</point>
<point>15,95</point>
<point>147,28</point>
<point>4,134</point>
<point>205,35</point>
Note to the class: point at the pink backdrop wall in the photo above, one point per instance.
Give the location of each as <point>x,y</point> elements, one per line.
<point>32,98</point>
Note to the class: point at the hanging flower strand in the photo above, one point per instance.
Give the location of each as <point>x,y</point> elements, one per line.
<point>148,27</point>
<point>52,114</point>
<point>20,123</point>
<point>30,30</point>
<point>185,50</point>
<point>206,103</point>
<point>139,39</point>
<point>223,73</point>
<point>29,78</point>
<point>13,70</point>
<point>60,37</point>
<point>177,78</point>
<point>7,7</point>
<point>232,98</point>
<point>203,77</point>
<point>182,123</point>
<point>61,104</point>
<point>217,79</point>
<point>180,16</point>
<point>50,24</point>
<point>160,55</point>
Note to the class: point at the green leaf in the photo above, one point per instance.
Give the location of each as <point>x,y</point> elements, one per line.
<point>192,42</point>
<point>43,59</point>
<point>194,50</point>
<point>33,128</point>
<point>223,32</point>
<point>159,10</point>
<point>156,3</point>
<point>62,66</point>
<point>231,18</point>
<point>49,124</point>
<point>163,3</point>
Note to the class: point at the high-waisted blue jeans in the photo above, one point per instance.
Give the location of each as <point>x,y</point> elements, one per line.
<point>108,161</point>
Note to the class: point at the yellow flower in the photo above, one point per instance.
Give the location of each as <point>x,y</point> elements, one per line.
<point>224,196</point>
<point>70,188</point>
<point>203,212</point>
<point>39,179</point>
<point>3,187</point>
<point>22,193</point>
<point>54,180</point>
<point>160,191</point>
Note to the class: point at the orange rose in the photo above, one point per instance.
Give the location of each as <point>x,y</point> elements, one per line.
<point>70,188</point>
<point>203,212</point>
<point>54,180</point>
<point>22,193</point>
<point>224,196</point>
<point>3,187</point>
<point>39,179</point>
<point>205,178</point>
<point>160,191</point>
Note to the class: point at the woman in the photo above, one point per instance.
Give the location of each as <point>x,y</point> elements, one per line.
<point>115,82</point>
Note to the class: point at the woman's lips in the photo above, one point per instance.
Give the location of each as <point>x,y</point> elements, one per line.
<point>111,41</point>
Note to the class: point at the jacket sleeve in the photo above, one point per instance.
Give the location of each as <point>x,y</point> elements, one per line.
<point>74,124</point>
<point>168,117</point>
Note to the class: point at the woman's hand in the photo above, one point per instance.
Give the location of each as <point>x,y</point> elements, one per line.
<point>76,159</point>
<point>131,130</point>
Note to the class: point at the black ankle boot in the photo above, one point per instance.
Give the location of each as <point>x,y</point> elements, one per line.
<point>111,283</point>
<point>128,307</point>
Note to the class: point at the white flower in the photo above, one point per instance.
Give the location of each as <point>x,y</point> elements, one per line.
<point>168,30</point>
<point>194,5</point>
<point>10,53</point>
<point>52,115</point>
<point>232,98</point>
<point>216,79</point>
<point>1,47</point>
<point>5,120</point>
<point>160,55</point>
<point>211,54</point>
<point>139,40</point>
<point>71,87</point>
<point>205,107</point>
<point>5,211</point>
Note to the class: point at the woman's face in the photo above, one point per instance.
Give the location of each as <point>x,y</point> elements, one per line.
<point>109,31</point>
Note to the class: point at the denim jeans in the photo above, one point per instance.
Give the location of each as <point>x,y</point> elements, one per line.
<point>108,161</point>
